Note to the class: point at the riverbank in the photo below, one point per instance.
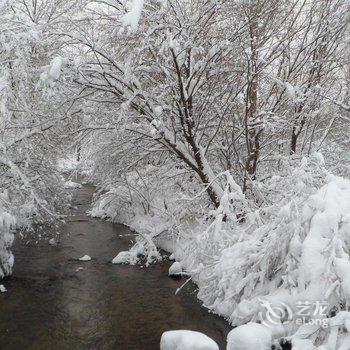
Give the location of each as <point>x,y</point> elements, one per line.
<point>272,261</point>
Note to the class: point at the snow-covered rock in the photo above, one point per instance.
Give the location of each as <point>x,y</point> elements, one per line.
<point>52,241</point>
<point>85,258</point>
<point>122,258</point>
<point>186,340</point>
<point>251,336</point>
<point>2,288</point>
<point>175,269</point>
<point>131,257</point>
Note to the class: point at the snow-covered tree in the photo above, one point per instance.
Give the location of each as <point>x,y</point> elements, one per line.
<point>31,111</point>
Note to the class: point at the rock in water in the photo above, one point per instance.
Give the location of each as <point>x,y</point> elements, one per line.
<point>251,336</point>
<point>175,269</point>
<point>122,258</point>
<point>85,258</point>
<point>186,340</point>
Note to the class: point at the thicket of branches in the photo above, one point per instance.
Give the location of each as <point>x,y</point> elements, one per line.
<point>214,86</point>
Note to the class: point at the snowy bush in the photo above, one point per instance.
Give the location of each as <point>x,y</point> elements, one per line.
<point>292,250</point>
<point>289,248</point>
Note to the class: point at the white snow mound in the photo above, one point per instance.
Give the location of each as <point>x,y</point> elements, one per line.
<point>2,288</point>
<point>122,258</point>
<point>251,336</point>
<point>85,258</point>
<point>186,340</point>
<point>132,17</point>
<point>67,164</point>
<point>175,269</point>
<point>71,184</point>
<point>56,67</point>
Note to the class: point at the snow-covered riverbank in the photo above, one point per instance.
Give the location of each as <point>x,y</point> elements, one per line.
<point>296,254</point>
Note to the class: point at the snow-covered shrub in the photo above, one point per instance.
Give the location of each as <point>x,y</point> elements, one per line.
<point>293,249</point>
<point>252,255</point>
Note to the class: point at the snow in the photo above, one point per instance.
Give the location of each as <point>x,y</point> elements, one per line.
<point>251,336</point>
<point>2,288</point>
<point>131,257</point>
<point>186,340</point>
<point>85,258</point>
<point>146,226</point>
<point>71,184</point>
<point>7,224</point>
<point>132,17</point>
<point>56,67</point>
<point>320,158</point>
<point>317,268</point>
<point>175,269</point>
<point>52,241</point>
<point>158,110</point>
<point>329,205</point>
<point>290,91</point>
<point>68,164</point>
<point>302,344</point>
<point>122,258</point>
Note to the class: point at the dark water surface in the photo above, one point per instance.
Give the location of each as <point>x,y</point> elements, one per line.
<point>52,306</point>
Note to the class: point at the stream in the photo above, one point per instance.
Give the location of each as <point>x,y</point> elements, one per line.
<point>53,304</point>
